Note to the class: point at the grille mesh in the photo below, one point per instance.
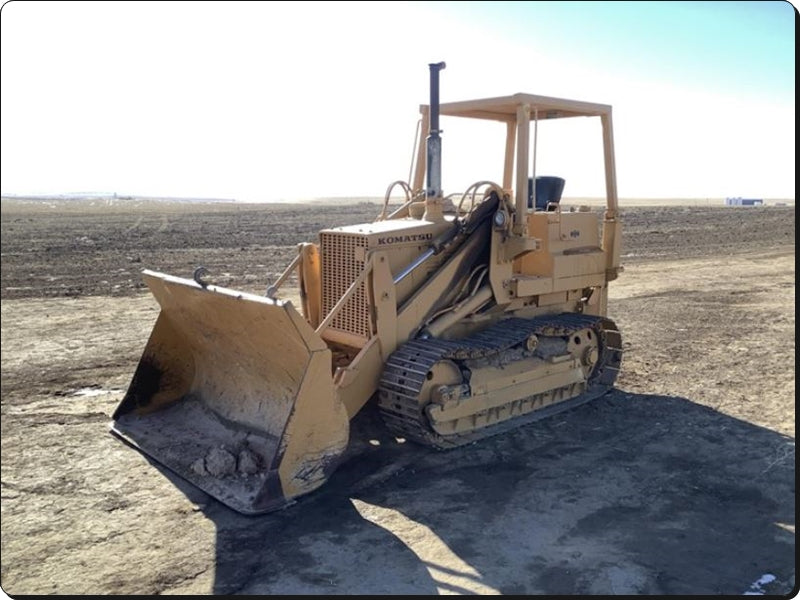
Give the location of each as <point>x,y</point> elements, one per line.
<point>340,268</point>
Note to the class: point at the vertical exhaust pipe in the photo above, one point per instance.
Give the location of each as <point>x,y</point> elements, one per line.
<point>434,140</point>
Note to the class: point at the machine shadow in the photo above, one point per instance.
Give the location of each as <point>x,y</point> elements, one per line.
<point>629,494</point>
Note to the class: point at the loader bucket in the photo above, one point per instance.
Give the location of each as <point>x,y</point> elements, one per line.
<point>234,393</point>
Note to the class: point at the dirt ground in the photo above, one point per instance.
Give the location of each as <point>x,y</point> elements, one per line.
<point>680,481</point>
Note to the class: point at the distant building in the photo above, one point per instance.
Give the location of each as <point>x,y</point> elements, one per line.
<point>739,201</point>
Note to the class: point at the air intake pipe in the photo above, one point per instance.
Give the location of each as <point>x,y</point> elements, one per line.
<point>434,141</point>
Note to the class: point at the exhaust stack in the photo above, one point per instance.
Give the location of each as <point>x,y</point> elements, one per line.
<point>434,140</point>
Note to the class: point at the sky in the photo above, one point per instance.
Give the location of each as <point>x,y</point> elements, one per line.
<point>269,101</point>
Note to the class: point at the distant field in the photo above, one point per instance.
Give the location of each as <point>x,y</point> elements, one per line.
<point>81,203</point>
<point>245,245</point>
<point>671,201</point>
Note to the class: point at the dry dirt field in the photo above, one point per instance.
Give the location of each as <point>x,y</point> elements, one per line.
<point>680,481</point>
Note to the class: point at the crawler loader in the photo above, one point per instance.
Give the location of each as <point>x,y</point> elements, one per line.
<point>461,316</point>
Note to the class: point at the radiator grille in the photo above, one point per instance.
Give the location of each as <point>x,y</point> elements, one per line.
<point>340,268</point>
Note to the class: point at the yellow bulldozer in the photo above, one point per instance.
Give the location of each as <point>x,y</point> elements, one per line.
<point>461,316</point>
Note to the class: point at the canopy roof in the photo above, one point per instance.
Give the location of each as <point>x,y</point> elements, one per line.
<point>505,108</point>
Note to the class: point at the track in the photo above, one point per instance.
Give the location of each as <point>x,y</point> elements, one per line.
<point>408,368</point>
